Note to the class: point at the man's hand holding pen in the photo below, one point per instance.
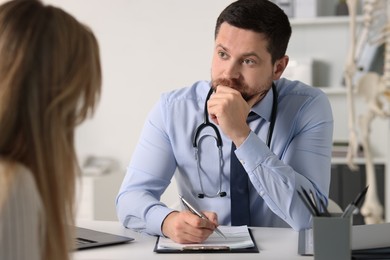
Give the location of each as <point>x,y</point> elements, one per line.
<point>184,227</point>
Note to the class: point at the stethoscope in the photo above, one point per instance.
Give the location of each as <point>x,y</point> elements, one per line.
<point>206,123</point>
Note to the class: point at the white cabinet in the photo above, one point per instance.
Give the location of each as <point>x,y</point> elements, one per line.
<point>96,196</point>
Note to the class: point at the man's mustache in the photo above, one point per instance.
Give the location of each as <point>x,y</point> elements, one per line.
<point>234,84</point>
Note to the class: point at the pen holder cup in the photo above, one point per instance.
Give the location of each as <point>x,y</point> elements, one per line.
<point>332,237</point>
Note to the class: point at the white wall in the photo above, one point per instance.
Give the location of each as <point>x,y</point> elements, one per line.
<point>147,47</point>
<point>152,46</point>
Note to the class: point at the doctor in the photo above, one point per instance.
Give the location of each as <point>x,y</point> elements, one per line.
<point>286,145</point>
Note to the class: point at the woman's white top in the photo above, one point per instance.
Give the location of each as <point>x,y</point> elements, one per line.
<point>21,217</point>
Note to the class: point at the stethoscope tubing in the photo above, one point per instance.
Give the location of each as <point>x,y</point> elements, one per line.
<point>218,139</point>
<point>206,123</point>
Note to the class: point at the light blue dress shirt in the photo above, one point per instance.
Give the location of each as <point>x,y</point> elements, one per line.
<point>300,155</point>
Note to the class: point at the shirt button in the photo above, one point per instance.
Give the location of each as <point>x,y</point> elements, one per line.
<point>261,193</point>
<point>242,162</point>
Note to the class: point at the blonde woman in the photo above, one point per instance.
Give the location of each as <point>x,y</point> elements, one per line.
<point>50,79</point>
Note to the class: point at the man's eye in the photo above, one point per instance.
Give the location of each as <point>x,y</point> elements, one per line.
<point>248,62</point>
<point>222,54</point>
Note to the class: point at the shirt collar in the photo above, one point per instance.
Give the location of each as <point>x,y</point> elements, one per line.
<point>264,107</point>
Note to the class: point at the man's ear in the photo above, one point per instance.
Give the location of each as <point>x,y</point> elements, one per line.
<point>279,66</point>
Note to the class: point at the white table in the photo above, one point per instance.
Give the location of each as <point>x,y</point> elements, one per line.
<point>273,243</point>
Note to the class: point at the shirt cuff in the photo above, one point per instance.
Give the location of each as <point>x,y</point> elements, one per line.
<point>156,217</point>
<point>252,152</point>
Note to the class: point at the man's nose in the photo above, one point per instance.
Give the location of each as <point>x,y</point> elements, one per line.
<point>232,70</point>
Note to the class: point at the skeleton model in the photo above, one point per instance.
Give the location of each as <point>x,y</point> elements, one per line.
<point>374,88</point>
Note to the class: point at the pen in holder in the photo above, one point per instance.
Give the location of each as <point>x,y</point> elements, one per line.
<point>332,237</point>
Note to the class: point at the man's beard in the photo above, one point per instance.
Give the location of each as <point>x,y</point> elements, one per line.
<point>241,87</point>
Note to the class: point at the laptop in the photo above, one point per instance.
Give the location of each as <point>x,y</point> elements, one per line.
<point>88,238</point>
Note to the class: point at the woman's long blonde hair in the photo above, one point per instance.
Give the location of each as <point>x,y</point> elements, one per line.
<point>50,80</point>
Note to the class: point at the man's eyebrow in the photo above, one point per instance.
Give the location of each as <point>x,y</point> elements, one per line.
<point>248,54</point>
<point>221,46</point>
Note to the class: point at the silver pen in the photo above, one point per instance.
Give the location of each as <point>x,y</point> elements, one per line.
<point>199,214</point>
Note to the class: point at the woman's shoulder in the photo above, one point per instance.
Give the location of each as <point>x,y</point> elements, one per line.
<point>15,175</point>
<point>21,213</point>
<point>19,194</point>
<point>17,183</point>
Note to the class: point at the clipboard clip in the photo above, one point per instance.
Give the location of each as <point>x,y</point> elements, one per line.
<point>206,248</point>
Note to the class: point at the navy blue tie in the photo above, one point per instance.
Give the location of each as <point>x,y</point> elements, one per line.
<point>239,187</point>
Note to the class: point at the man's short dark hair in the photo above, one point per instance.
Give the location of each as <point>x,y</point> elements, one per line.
<point>261,16</point>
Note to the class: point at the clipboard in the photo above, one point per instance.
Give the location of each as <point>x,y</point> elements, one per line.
<point>207,249</point>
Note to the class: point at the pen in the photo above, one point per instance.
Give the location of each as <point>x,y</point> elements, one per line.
<point>311,203</point>
<point>199,214</point>
<point>354,204</point>
<point>314,199</point>
<point>311,210</point>
<point>324,208</point>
